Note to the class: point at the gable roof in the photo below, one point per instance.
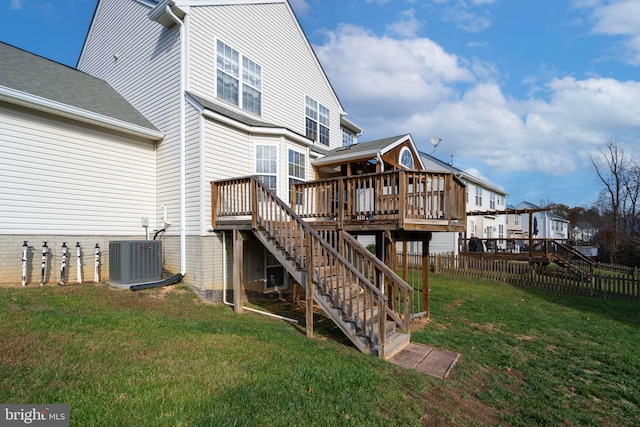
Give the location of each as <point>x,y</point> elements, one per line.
<point>433,163</point>
<point>38,83</point>
<point>366,150</point>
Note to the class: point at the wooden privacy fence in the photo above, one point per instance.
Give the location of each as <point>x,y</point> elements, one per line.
<point>618,286</point>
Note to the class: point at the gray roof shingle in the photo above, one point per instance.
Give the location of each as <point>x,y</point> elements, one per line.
<point>26,72</point>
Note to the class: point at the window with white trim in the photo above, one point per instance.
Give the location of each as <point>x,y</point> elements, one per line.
<point>316,121</point>
<point>267,166</point>
<point>492,200</point>
<point>238,82</point>
<point>297,171</point>
<point>478,195</point>
<point>348,137</point>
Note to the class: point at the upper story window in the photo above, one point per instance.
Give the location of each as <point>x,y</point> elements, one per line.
<point>406,158</point>
<point>478,195</point>
<point>492,200</point>
<point>348,137</point>
<point>317,121</point>
<point>516,220</point>
<point>238,79</point>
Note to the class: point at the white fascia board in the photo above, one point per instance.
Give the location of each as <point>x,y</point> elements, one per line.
<point>181,3</point>
<point>350,156</point>
<point>402,140</point>
<point>247,128</point>
<point>483,184</point>
<point>59,109</point>
<point>149,3</point>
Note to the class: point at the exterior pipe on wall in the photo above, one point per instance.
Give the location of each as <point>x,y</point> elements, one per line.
<point>78,263</point>
<point>25,248</point>
<point>183,89</point>
<point>45,253</point>
<point>63,265</point>
<point>96,273</point>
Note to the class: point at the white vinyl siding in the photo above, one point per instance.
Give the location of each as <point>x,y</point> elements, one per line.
<point>77,179</point>
<point>224,159</point>
<point>269,35</point>
<point>143,47</point>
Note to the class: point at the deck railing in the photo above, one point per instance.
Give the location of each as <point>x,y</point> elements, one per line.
<point>357,283</point>
<point>395,195</point>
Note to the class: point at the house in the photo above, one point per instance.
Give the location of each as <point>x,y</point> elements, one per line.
<point>482,200</point>
<point>212,126</point>
<point>542,224</point>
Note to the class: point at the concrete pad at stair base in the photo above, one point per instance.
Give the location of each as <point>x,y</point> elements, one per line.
<point>426,359</point>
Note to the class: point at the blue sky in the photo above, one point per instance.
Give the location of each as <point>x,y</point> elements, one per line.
<point>522,92</point>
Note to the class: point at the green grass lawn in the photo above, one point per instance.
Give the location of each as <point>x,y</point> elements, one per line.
<point>163,358</point>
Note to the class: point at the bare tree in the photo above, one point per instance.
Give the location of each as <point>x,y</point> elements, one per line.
<point>612,174</point>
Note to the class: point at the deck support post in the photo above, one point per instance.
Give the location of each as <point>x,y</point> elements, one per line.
<point>238,276</point>
<point>405,260</point>
<point>308,286</point>
<point>426,237</point>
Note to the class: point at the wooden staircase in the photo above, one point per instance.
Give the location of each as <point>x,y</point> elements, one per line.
<point>363,297</point>
<point>564,255</point>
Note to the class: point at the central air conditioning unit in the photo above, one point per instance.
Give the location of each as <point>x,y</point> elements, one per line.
<point>135,261</point>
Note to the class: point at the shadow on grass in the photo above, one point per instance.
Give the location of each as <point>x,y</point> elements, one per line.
<point>284,305</point>
<point>627,312</point>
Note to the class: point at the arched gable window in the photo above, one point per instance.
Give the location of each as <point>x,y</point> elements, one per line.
<point>406,158</point>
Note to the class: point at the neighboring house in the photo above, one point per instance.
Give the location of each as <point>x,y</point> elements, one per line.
<point>542,223</point>
<point>481,197</point>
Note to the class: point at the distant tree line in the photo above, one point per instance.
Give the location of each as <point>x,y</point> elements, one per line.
<point>615,216</point>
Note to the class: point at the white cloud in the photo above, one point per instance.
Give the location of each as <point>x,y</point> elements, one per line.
<point>394,77</point>
<point>415,86</point>
<point>300,6</point>
<point>15,5</point>
<point>406,26</point>
<point>618,18</point>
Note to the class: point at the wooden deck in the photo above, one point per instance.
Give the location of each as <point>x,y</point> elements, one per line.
<point>395,200</point>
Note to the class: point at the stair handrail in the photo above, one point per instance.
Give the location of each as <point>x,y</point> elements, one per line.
<point>576,253</point>
<point>313,233</point>
<point>259,220</point>
<point>403,319</point>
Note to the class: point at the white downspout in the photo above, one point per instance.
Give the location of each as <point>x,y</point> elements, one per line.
<point>183,88</point>
<point>379,157</point>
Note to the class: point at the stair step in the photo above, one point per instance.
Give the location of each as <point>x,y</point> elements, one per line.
<point>394,343</point>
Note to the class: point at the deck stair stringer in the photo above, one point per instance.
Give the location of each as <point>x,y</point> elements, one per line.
<point>357,291</point>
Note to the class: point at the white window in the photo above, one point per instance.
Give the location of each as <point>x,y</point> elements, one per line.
<point>478,195</point>
<point>267,165</point>
<point>348,137</point>
<point>492,200</point>
<point>316,121</point>
<point>238,82</point>
<point>517,220</point>
<point>297,170</point>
